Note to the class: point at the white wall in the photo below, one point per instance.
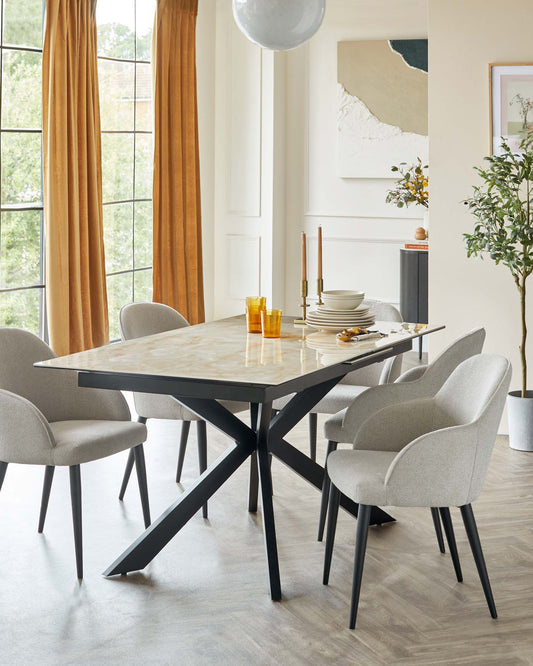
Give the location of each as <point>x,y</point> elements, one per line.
<point>464,38</point>
<point>362,234</point>
<point>275,165</point>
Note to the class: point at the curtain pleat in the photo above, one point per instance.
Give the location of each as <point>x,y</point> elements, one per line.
<point>75,264</point>
<point>177,254</point>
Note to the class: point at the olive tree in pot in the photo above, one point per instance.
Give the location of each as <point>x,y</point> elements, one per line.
<point>503,208</point>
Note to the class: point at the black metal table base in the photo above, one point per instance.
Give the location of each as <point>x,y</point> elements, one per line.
<point>265,437</point>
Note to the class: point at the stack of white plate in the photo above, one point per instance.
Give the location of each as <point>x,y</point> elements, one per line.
<point>335,320</point>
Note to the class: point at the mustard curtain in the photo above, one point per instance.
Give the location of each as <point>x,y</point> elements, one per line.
<point>177,255</point>
<point>75,266</point>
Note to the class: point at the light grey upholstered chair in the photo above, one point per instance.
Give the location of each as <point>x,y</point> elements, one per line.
<point>47,419</point>
<point>427,452</point>
<point>355,382</point>
<point>137,320</point>
<point>420,382</point>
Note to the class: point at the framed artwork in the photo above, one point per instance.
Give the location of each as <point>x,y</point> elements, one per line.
<point>511,104</point>
<point>382,106</point>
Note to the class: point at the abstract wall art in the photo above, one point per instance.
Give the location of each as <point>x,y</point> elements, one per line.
<point>382,110</point>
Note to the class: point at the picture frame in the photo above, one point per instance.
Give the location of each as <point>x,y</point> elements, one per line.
<point>511,103</point>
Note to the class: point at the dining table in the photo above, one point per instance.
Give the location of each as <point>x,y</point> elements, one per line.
<point>203,364</point>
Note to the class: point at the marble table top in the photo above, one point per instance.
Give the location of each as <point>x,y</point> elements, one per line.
<point>223,351</point>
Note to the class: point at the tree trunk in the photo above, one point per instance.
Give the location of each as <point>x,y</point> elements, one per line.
<point>523,360</point>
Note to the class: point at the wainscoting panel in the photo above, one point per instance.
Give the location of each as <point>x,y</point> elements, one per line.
<point>243,116</point>
<point>244,270</point>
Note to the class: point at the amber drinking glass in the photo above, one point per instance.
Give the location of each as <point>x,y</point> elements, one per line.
<point>271,323</point>
<point>254,306</point>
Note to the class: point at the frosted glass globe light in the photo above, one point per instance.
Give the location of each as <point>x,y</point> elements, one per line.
<point>279,25</point>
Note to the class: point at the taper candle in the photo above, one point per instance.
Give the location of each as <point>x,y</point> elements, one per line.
<point>319,252</point>
<point>304,258</point>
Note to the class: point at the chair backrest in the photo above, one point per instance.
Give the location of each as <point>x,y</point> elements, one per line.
<point>438,371</point>
<point>55,392</point>
<point>476,392</point>
<point>384,311</point>
<point>137,320</point>
<point>386,371</point>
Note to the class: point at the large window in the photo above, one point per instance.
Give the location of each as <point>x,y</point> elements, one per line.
<point>21,218</point>
<point>124,44</point>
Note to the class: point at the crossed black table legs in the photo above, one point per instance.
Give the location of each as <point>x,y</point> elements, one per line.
<point>265,437</point>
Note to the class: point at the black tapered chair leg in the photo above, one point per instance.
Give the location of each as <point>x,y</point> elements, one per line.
<point>129,466</point>
<point>438,528</point>
<point>253,483</point>
<point>201,429</point>
<point>333,512</point>
<point>313,420</point>
<point>47,485</point>
<point>450,538</point>
<point>184,436</point>
<point>75,498</point>
<point>332,446</point>
<point>3,469</point>
<point>140,466</point>
<point>475,544</point>
<point>361,534</point>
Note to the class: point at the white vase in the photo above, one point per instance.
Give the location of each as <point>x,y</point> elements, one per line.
<point>520,413</point>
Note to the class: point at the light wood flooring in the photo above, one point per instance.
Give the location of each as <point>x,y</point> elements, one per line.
<point>204,599</point>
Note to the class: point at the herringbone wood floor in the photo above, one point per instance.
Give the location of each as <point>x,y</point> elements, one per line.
<point>204,599</point>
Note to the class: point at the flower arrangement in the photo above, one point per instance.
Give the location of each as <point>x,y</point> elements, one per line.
<point>412,187</point>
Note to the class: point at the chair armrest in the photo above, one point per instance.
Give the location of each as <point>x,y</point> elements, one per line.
<point>412,374</point>
<point>379,397</point>
<point>435,469</point>
<point>25,436</point>
<point>395,426</point>
<point>61,399</point>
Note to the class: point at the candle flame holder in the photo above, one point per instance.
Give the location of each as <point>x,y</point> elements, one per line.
<point>303,305</point>
<point>319,290</point>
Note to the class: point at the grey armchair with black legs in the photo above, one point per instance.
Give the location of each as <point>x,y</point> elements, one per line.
<point>419,382</point>
<point>137,320</point>
<point>425,452</point>
<point>47,419</point>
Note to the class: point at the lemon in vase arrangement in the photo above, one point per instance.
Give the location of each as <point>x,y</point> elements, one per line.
<point>412,187</point>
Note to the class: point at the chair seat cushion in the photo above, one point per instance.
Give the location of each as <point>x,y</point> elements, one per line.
<point>360,475</point>
<point>338,398</point>
<point>153,406</point>
<point>82,441</point>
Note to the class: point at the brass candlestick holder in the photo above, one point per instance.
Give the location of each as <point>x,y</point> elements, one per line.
<point>303,305</point>
<point>319,290</point>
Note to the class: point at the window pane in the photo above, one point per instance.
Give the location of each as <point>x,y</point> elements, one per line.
<point>116,25</point>
<point>117,167</point>
<point>143,107</point>
<point>118,237</point>
<point>143,234</point>
<point>143,285</point>
<point>21,90</point>
<point>144,166</point>
<point>145,24</point>
<point>21,309</point>
<point>116,84</point>
<point>21,167</point>
<point>23,22</point>
<point>119,292</point>
<point>20,242</point>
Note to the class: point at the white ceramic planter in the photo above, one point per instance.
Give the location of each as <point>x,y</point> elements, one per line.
<point>520,413</point>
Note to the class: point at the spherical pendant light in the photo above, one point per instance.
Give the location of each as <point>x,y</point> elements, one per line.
<point>279,25</point>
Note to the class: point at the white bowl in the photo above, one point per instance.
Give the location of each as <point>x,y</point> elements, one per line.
<point>342,299</point>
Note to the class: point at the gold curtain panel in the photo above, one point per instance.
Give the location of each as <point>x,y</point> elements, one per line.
<point>177,265</point>
<point>75,266</point>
